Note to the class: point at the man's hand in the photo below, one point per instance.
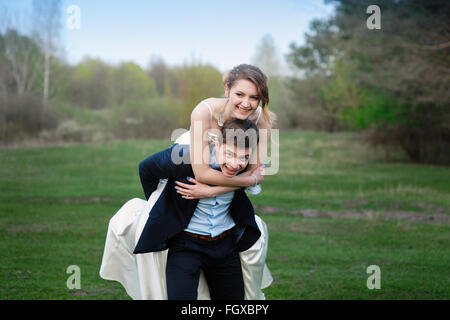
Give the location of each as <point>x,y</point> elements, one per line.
<point>197,190</point>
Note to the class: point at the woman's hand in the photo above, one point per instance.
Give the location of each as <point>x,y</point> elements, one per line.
<point>197,190</point>
<point>258,174</point>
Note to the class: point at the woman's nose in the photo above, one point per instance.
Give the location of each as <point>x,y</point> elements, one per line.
<point>245,103</point>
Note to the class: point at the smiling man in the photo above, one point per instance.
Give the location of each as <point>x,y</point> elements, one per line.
<point>202,234</point>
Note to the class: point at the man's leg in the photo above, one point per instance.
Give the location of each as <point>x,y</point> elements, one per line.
<point>224,278</point>
<point>182,272</point>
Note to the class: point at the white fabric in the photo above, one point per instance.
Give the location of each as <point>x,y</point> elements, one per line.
<point>144,275</point>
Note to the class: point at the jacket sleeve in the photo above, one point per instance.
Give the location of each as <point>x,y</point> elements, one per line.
<point>167,164</point>
<point>153,168</point>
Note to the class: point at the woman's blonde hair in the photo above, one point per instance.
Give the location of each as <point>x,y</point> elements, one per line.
<point>255,75</point>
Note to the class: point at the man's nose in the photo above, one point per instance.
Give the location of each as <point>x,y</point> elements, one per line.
<point>234,163</point>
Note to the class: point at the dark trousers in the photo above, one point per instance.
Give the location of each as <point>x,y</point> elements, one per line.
<point>219,261</point>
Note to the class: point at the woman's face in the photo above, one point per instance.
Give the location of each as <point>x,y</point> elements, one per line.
<point>244,98</point>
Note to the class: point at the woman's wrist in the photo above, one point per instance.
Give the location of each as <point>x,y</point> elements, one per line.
<point>255,180</point>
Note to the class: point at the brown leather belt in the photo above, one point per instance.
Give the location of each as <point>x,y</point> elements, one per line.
<point>209,238</point>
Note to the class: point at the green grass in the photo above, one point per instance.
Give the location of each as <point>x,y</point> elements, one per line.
<point>55,204</point>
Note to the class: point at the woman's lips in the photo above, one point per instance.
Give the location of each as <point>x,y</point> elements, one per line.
<point>243,110</point>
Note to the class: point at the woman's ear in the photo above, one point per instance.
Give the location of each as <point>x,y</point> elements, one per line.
<point>227,91</point>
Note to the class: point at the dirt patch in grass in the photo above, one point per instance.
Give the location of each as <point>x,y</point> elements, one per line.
<point>39,227</point>
<point>94,291</point>
<point>413,216</point>
<point>34,227</point>
<point>96,199</point>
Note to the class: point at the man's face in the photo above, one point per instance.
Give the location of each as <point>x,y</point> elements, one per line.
<point>231,158</point>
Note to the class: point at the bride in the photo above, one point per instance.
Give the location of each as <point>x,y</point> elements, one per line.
<point>143,275</point>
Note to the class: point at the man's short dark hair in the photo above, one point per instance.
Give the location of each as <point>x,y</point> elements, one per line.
<point>243,133</point>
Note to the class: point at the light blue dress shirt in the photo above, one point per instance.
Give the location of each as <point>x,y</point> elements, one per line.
<point>212,216</point>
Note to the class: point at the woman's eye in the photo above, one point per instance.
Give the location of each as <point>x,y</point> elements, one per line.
<point>239,94</point>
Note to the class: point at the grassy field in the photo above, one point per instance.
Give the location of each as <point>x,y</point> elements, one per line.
<point>335,208</point>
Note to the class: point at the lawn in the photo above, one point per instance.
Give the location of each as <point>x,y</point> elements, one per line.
<point>334,208</point>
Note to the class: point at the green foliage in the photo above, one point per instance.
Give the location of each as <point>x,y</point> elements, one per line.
<point>130,82</point>
<point>195,82</point>
<point>88,84</point>
<point>375,109</point>
<point>318,51</point>
<point>394,81</point>
<point>144,119</point>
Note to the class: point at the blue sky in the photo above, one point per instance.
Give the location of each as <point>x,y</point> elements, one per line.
<point>223,33</point>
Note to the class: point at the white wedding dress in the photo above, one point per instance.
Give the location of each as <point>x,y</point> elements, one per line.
<point>144,275</point>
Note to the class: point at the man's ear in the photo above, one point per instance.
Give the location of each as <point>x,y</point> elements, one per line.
<point>217,144</point>
<point>219,152</point>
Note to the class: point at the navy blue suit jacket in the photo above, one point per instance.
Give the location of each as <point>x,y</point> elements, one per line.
<point>171,213</point>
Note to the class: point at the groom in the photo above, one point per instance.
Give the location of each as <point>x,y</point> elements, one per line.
<point>205,234</point>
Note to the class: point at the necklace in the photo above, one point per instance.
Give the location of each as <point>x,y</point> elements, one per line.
<point>219,120</point>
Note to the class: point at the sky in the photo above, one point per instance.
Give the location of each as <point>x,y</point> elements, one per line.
<point>222,33</point>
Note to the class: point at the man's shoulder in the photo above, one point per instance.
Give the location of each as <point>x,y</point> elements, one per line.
<point>180,154</point>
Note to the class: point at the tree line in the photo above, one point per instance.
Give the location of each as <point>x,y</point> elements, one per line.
<point>389,84</point>
<point>94,100</point>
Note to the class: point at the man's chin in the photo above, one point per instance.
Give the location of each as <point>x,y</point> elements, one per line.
<point>228,173</point>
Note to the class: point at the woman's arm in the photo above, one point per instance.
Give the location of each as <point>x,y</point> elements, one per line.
<point>198,190</point>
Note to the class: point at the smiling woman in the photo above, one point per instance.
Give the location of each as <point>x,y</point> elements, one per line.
<point>246,97</point>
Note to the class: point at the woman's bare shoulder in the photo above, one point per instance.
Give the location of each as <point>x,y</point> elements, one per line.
<point>263,123</point>
<point>215,103</point>
<point>200,111</point>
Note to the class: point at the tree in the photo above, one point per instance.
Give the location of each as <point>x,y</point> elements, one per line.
<point>399,80</point>
<point>47,24</point>
<point>22,57</point>
<point>267,57</point>
<point>196,81</point>
<point>130,82</point>
<point>325,87</point>
<point>89,84</point>
<point>160,73</point>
